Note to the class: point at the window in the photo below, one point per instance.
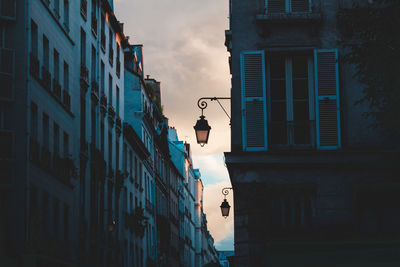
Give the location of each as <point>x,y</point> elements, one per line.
<point>136,170</point>
<point>57,8</point>
<point>33,200</point>
<point>56,143</point>
<point>56,215</point>
<point>116,154</point>
<point>111,51</point>
<point>130,160</point>
<point>83,47</point>
<point>46,52</point>
<point>66,145</point>
<point>45,130</point>
<point>45,212</point>
<point>34,121</point>
<point>34,38</point>
<point>66,14</point>
<point>124,158</point>
<point>131,201</point>
<point>117,93</point>
<point>56,65</point>
<point>66,77</point>
<point>278,92</point>
<point>287,6</point>
<point>66,221</point>
<point>102,135</point>
<point>290,89</point>
<point>110,150</point>
<point>94,64</point>
<point>102,77</point>
<point>110,87</point>
<point>93,123</point>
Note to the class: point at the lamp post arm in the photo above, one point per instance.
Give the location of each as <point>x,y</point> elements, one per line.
<point>202,103</point>
<point>225,191</point>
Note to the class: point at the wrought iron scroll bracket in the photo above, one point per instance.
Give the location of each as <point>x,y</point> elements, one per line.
<point>225,191</point>
<point>202,103</point>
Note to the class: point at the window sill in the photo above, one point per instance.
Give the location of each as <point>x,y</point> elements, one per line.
<point>290,17</point>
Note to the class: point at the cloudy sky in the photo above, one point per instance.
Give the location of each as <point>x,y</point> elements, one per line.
<point>184,48</point>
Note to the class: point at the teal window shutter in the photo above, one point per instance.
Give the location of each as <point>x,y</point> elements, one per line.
<point>253,85</point>
<point>327,99</point>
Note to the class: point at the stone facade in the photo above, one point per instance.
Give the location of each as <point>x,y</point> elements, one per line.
<point>85,165</point>
<point>314,184</point>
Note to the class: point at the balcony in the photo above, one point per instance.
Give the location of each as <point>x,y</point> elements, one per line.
<point>63,169</point>
<point>46,158</point>
<point>84,9</point>
<point>94,24</point>
<point>6,73</point>
<point>103,105</point>
<point>46,79</point>
<point>99,166</point>
<point>119,181</point>
<point>66,100</point>
<point>111,114</point>
<point>103,41</point>
<point>8,10</point>
<point>118,69</point>
<point>110,171</point>
<point>84,78</point>
<point>35,66</point>
<point>95,92</point>
<point>84,150</point>
<point>111,56</point>
<point>149,206</point>
<point>118,125</point>
<point>6,144</point>
<point>57,89</point>
<point>34,150</point>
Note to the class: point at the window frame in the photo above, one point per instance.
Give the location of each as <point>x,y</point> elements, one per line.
<point>290,101</point>
<point>288,7</point>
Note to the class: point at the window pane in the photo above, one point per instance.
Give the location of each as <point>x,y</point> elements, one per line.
<point>278,89</point>
<point>278,111</point>
<point>300,67</point>
<point>300,89</point>
<point>278,133</point>
<point>302,133</point>
<point>301,111</point>
<point>277,67</point>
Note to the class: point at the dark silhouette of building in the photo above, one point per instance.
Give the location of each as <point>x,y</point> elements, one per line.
<point>314,184</point>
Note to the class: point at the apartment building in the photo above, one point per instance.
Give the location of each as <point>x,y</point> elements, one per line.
<point>85,166</point>
<point>313,183</point>
<point>39,104</point>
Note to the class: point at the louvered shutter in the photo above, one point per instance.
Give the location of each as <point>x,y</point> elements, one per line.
<point>275,6</point>
<point>300,6</point>
<point>327,99</point>
<point>254,125</point>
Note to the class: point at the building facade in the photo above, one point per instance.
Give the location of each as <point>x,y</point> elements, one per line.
<point>85,167</point>
<point>313,182</point>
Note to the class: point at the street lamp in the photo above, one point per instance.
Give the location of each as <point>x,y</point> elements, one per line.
<point>111,225</point>
<point>225,207</point>
<point>202,128</point>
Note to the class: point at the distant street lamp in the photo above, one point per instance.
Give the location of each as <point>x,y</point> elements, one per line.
<point>202,128</point>
<point>111,225</point>
<point>225,207</point>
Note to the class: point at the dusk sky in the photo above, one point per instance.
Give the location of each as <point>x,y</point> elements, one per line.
<point>183,43</point>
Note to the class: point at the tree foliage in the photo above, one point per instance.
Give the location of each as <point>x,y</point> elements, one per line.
<point>371,39</point>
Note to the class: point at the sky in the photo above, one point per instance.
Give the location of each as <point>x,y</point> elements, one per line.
<point>183,46</point>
